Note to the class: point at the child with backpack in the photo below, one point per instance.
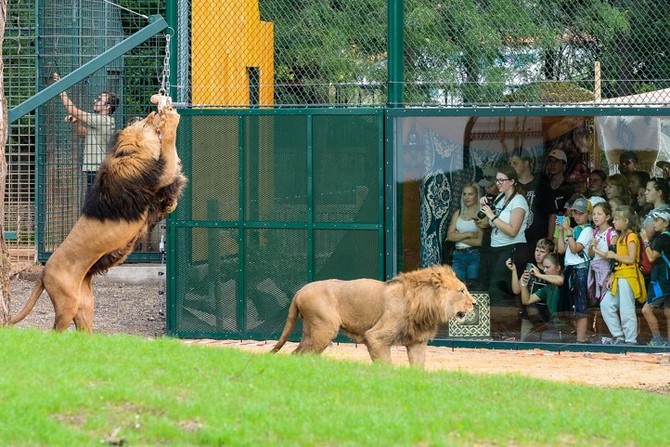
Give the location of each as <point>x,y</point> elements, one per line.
<point>658,293</point>
<point>626,283</point>
<point>604,237</point>
<point>573,242</point>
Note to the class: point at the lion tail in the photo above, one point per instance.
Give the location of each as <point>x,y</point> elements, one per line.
<point>288,327</point>
<point>37,292</point>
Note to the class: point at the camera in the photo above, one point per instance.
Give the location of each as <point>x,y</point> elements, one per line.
<point>489,201</point>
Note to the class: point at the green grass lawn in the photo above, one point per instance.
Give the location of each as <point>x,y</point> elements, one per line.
<point>72,389</point>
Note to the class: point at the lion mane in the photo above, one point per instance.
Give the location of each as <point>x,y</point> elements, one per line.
<point>405,310</point>
<point>137,184</point>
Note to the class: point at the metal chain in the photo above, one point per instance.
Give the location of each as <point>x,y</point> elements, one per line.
<point>165,76</point>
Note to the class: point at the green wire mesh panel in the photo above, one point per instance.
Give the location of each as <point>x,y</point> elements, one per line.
<point>299,205</point>
<point>213,190</point>
<point>347,254</point>
<point>275,266</point>
<point>346,168</point>
<point>275,164</point>
<point>72,34</point>
<point>19,85</point>
<point>206,287</point>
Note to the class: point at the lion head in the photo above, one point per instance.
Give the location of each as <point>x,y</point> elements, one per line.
<point>434,296</point>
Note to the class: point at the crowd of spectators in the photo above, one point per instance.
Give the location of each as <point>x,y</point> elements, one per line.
<point>574,240</point>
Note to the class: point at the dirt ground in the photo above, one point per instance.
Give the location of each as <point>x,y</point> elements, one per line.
<point>140,310</point>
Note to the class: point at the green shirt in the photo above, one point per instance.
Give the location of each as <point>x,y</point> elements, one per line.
<point>549,295</point>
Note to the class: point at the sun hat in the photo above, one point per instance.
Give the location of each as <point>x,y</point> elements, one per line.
<point>661,214</point>
<point>596,200</point>
<point>581,205</point>
<point>559,155</point>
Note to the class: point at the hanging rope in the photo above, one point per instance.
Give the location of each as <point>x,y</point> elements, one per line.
<point>126,9</point>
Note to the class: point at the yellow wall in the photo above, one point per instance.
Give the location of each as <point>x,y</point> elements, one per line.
<point>227,36</point>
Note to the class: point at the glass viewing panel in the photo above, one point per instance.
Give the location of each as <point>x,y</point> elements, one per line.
<point>534,170</point>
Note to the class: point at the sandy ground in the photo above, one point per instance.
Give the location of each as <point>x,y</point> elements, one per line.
<point>140,310</point>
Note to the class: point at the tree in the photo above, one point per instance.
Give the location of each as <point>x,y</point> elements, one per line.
<point>5,264</point>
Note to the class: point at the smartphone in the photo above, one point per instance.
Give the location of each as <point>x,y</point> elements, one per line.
<point>559,220</point>
<point>529,266</point>
<point>512,255</point>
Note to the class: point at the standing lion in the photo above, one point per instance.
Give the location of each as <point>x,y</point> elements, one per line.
<point>405,310</point>
<point>136,185</point>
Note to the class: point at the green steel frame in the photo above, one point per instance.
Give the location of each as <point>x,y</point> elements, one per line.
<point>174,224</point>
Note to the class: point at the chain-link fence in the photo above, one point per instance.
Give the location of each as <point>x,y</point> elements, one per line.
<point>459,53</point>
<point>60,145</point>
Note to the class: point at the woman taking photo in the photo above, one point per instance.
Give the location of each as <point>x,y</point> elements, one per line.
<point>507,216</point>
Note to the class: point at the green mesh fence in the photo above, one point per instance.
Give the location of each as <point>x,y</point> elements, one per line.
<point>461,53</point>
<point>299,205</point>
<point>46,146</point>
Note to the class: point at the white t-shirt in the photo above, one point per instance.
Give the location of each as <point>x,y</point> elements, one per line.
<point>601,238</point>
<point>577,258</point>
<point>500,239</point>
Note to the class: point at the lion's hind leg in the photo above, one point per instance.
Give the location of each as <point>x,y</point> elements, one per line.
<point>66,305</point>
<point>83,320</point>
<point>72,299</point>
<point>316,336</point>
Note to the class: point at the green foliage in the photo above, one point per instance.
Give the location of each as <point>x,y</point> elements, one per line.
<point>74,389</point>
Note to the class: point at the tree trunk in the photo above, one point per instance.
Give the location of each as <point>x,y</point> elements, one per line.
<point>5,264</point>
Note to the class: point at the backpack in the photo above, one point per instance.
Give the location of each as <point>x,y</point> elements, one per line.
<point>608,235</point>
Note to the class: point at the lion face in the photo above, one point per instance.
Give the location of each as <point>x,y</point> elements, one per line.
<point>458,301</point>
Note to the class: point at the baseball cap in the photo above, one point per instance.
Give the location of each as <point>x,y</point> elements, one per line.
<point>661,214</point>
<point>581,205</point>
<point>559,155</point>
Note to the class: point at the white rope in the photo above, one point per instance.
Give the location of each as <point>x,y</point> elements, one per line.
<point>126,9</point>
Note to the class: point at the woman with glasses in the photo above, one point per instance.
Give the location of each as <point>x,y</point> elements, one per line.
<point>507,216</point>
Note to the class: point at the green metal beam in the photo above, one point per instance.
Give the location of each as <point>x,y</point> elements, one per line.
<point>396,63</point>
<point>156,25</point>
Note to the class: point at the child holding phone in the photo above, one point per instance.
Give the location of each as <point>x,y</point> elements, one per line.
<point>573,242</point>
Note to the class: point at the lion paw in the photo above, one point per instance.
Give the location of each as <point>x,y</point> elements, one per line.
<point>169,119</point>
